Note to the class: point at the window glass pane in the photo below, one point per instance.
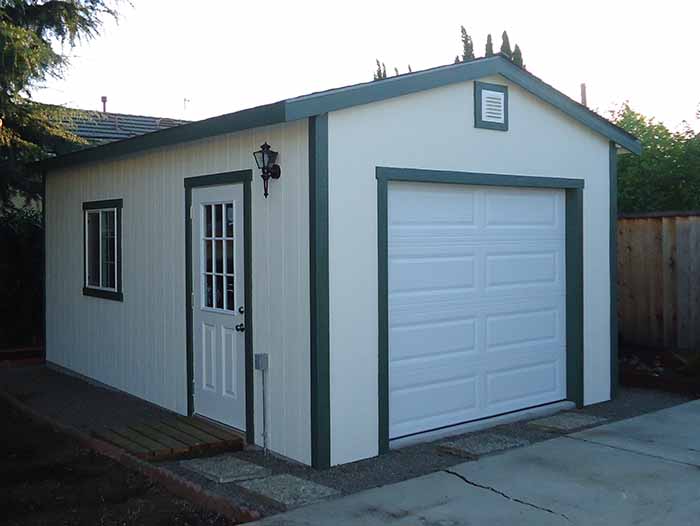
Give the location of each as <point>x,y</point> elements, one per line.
<point>219,292</point>
<point>219,256</point>
<point>93,249</point>
<point>229,257</point>
<point>209,294</point>
<point>218,220</point>
<point>108,249</point>
<point>229,220</point>
<point>208,256</point>
<point>207,220</point>
<point>230,305</point>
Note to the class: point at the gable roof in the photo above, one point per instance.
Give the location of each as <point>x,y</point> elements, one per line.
<point>99,127</point>
<point>345,97</point>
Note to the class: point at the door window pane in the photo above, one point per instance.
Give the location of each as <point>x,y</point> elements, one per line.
<point>208,257</point>
<point>219,291</point>
<point>209,292</point>
<point>207,220</point>
<point>218,220</point>
<point>229,219</point>
<point>230,305</point>
<point>229,256</point>
<point>219,256</point>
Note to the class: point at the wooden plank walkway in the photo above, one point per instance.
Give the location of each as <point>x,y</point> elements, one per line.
<point>172,437</point>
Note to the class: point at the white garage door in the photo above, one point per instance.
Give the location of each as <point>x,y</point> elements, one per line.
<point>476,302</point>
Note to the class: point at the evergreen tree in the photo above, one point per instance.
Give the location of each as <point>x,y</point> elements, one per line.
<point>457,61</point>
<point>518,56</point>
<point>505,45</point>
<point>383,70</point>
<point>467,46</point>
<point>396,72</point>
<point>489,46</point>
<point>409,69</point>
<point>378,71</point>
<point>33,36</point>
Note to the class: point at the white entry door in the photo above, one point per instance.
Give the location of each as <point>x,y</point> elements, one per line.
<point>218,303</point>
<point>477,290</point>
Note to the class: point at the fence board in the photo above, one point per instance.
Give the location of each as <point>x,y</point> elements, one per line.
<point>659,281</point>
<point>668,308</point>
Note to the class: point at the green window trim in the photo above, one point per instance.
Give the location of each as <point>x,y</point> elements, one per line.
<point>243,177</point>
<point>574,269</point>
<point>92,291</point>
<point>479,88</point>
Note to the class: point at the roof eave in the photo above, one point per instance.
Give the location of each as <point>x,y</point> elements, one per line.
<point>242,120</point>
<point>337,99</point>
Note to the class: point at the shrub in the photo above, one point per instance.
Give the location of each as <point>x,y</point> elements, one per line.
<point>21,278</point>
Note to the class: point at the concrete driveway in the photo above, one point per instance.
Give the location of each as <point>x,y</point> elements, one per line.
<point>642,471</point>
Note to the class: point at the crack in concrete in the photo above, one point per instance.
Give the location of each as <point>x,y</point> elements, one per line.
<point>635,452</point>
<point>505,495</point>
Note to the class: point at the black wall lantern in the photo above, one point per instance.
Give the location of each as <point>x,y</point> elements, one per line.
<point>265,159</point>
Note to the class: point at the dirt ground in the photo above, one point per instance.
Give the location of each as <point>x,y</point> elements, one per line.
<point>46,479</point>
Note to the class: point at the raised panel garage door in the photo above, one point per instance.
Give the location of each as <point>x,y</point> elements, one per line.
<point>476,302</point>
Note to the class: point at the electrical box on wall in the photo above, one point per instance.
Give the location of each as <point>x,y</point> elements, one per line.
<point>261,362</point>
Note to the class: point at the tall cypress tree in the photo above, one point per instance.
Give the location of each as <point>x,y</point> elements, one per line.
<point>457,61</point>
<point>489,46</point>
<point>505,45</point>
<point>378,71</point>
<point>518,56</point>
<point>467,46</point>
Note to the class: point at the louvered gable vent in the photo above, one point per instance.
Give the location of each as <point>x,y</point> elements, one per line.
<point>490,106</point>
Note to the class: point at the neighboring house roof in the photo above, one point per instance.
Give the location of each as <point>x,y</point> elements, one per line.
<point>100,127</point>
<point>339,98</point>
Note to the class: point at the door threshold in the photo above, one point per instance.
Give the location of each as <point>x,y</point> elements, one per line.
<point>224,427</point>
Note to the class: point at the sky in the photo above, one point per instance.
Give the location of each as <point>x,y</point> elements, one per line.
<point>197,59</point>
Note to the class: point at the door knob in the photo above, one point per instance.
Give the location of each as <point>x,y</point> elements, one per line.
<point>240,327</point>
<point>241,310</point>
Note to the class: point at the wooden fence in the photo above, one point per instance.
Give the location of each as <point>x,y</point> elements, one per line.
<point>658,273</point>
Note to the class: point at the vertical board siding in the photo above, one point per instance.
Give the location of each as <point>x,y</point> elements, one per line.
<point>139,345</point>
<point>658,264</point>
<point>410,131</point>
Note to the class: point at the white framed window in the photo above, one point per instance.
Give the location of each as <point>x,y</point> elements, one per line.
<point>102,249</point>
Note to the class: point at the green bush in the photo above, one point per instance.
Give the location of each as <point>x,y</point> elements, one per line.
<point>21,278</point>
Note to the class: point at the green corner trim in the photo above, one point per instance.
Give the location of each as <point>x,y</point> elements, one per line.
<point>574,269</point>
<point>238,177</point>
<point>320,336</point>
<point>614,374</point>
<point>479,87</point>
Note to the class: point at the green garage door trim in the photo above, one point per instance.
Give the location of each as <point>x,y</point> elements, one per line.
<point>574,268</point>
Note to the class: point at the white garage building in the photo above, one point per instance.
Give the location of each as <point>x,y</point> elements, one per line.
<point>437,250</point>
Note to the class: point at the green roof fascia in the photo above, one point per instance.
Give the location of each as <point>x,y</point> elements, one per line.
<point>336,99</point>
<point>231,122</point>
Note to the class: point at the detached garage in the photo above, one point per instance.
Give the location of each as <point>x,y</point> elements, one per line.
<point>420,252</point>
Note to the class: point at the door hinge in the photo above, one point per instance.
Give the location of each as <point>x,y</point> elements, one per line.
<point>191,212</point>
